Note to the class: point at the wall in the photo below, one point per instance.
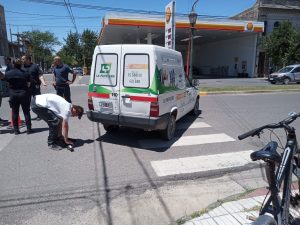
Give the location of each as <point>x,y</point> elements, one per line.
<point>219,55</point>
<point>3,34</point>
<point>274,15</point>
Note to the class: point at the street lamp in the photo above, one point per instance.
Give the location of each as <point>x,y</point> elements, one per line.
<point>193,20</point>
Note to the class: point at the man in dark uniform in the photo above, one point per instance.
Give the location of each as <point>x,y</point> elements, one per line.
<point>36,75</point>
<point>61,80</point>
<point>19,94</point>
<point>1,77</point>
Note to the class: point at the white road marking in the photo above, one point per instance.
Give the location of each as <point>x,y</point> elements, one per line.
<point>193,125</point>
<point>201,163</point>
<point>186,140</point>
<point>5,139</point>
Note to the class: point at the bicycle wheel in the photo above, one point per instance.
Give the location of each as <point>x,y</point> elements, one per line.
<point>286,216</point>
<point>264,220</point>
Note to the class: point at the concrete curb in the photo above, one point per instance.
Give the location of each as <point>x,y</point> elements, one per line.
<point>204,93</point>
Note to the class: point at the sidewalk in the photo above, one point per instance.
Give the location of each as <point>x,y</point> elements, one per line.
<point>236,212</point>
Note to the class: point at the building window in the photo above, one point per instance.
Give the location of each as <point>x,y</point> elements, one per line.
<point>276,24</point>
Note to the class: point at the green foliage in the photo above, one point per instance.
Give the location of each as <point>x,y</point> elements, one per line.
<point>72,49</point>
<point>78,49</point>
<point>282,45</point>
<point>88,42</point>
<point>42,46</point>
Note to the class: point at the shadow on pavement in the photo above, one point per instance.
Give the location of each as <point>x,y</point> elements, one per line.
<point>131,137</point>
<point>81,142</point>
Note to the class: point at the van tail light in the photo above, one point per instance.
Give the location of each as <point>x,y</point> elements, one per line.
<point>90,103</point>
<point>154,109</point>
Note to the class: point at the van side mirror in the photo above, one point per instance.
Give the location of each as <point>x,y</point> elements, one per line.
<point>196,83</point>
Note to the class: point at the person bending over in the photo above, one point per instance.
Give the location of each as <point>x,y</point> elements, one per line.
<point>56,111</point>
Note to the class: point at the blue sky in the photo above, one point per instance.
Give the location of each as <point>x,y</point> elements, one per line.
<point>55,18</point>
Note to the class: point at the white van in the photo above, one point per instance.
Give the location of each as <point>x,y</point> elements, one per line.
<point>140,86</point>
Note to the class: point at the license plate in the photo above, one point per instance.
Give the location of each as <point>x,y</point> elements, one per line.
<point>105,106</point>
<point>271,78</point>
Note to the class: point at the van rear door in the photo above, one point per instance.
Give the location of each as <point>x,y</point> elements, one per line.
<point>105,90</point>
<point>135,95</point>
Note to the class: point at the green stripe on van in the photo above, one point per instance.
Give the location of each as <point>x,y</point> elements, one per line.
<point>99,89</point>
<point>157,86</point>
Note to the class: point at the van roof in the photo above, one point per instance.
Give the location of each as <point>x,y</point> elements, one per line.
<point>144,46</point>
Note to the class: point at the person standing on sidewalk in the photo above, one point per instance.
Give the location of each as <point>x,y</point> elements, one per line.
<point>36,75</point>
<point>19,94</point>
<point>1,93</point>
<point>56,111</point>
<point>61,80</point>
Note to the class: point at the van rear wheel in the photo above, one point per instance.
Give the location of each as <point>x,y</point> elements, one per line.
<point>195,110</point>
<point>169,132</point>
<point>111,128</point>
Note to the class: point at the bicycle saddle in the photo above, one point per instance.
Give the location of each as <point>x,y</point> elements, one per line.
<point>267,153</point>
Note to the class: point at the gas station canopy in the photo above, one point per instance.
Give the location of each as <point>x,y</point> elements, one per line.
<point>141,28</point>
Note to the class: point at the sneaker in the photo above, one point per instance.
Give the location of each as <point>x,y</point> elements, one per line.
<point>55,147</point>
<point>16,132</point>
<point>38,119</point>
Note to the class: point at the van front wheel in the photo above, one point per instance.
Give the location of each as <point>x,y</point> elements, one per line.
<point>169,132</point>
<point>111,128</point>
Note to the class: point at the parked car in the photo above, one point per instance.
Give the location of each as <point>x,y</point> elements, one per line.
<point>78,71</point>
<point>286,75</point>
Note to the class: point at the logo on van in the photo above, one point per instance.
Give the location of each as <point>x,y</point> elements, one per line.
<point>105,68</point>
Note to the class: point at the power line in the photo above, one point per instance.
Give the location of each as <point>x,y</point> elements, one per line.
<point>69,10</point>
<point>112,9</point>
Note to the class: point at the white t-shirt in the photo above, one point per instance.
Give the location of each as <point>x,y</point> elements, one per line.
<point>55,103</point>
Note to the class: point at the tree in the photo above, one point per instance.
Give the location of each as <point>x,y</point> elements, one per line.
<point>73,49</point>
<point>282,45</point>
<point>88,43</point>
<point>42,46</point>
<point>78,49</point>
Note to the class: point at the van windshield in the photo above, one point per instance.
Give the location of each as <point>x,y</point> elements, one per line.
<point>106,69</point>
<point>285,69</point>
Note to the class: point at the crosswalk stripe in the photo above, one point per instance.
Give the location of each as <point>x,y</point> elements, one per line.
<point>201,163</point>
<point>5,139</point>
<point>186,140</point>
<point>193,125</point>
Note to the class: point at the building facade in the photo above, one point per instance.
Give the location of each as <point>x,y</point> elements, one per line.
<point>272,13</point>
<point>222,47</point>
<point>3,34</point>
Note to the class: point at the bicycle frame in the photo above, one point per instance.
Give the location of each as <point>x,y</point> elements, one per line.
<point>280,207</point>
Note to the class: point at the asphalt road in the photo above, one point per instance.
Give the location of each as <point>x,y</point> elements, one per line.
<point>104,167</point>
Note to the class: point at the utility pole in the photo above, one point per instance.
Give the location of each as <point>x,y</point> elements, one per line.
<point>13,48</point>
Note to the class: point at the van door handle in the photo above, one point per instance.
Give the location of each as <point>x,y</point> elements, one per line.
<point>125,96</point>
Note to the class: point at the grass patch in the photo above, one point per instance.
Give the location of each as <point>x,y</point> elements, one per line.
<point>251,88</point>
<point>212,206</point>
<point>255,208</point>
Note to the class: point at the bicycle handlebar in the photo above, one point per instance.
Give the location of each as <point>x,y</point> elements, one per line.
<point>282,124</point>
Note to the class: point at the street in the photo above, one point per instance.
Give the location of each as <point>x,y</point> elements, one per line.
<point>40,186</point>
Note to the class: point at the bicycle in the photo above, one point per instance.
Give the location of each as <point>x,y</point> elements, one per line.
<point>279,170</point>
